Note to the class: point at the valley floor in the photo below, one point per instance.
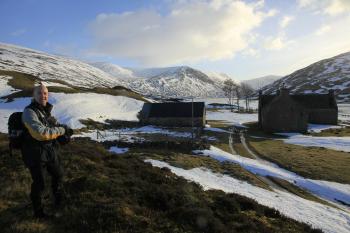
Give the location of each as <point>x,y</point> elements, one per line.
<point>122,193</point>
<point>243,181</point>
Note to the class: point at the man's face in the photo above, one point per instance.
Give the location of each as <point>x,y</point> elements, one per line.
<point>41,95</point>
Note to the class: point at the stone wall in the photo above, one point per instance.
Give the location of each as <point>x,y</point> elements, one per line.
<point>323,116</point>
<point>175,122</point>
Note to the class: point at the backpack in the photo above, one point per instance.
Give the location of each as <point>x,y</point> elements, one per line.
<point>16,131</point>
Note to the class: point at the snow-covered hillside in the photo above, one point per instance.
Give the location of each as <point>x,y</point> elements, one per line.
<point>319,77</point>
<point>46,66</point>
<point>115,70</point>
<point>152,72</point>
<point>221,77</point>
<point>258,83</point>
<point>4,88</point>
<point>70,108</point>
<point>179,81</point>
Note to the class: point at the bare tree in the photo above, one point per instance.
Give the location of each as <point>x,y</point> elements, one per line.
<point>238,95</point>
<point>229,91</point>
<point>247,92</point>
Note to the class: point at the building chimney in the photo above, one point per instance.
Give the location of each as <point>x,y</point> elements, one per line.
<point>283,91</point>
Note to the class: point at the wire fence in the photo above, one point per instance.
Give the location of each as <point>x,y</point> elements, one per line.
<point>344,115</point>
<point>104,134</point>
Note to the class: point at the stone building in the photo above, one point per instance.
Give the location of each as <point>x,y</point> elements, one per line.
<point>182,114</point>
<point>291,113</point>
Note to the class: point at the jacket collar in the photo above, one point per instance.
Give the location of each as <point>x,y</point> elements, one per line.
<point>47,109</point>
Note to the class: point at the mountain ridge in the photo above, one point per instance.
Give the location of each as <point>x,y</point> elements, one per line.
<point>260,82</point>
<point>36,63</point>
<point>177,81</point>
<point>318,78</point>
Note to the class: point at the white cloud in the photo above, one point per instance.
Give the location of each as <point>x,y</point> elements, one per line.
<point>337,7</point>
<point>285,21</point>
<point>192,31</point>
<point>276,43</point>
<point>251,52</point>
<point>307,3</point>
<point>305,50</point>
<point>330,7</point>
<point>322,30</point>
<point>272,12</point>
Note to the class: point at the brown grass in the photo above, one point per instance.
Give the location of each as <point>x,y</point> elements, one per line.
<point>342,132</point>
<point>239,148</point>
<point>20,80</point>
<point>310,162</point>
<point>188,161</point>
<point>218,124</point>
<point>109,193</point>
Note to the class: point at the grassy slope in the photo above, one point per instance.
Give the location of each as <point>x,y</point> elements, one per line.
<point>343,132</point>
<point>250,177</point>
<point>310,162</point>
<point>109,193</point>
<point>183,157</point>
<point>188,161</point>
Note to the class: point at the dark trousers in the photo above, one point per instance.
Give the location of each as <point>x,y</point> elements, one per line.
<point>37,171</point>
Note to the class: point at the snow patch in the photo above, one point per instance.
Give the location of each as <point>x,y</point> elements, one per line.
<point>334,143</point>
<point>317,128</point>
<point>118,150</point>
<point>6,109</point>
<point>329,190</point>
<point>51,84</point>
<point>5,89</point>
<point>217,130</point>
<point>328,219</point>
<point>130,134</point>
<point>70,108</point>
<point>232,117</point>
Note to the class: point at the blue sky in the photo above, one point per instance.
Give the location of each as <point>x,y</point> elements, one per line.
<point>245,39</point>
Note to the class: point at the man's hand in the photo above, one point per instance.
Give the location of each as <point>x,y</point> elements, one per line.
<point>52,121</point>
<point>68,131</point>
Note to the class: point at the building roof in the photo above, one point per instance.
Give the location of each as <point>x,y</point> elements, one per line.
<point>313,101</point>
<point>309,101</point>
<point>173,109</point>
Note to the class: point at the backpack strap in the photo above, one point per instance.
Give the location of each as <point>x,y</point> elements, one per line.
<point>38,113</point>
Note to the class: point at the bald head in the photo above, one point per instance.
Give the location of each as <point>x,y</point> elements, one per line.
<point>41,94</point>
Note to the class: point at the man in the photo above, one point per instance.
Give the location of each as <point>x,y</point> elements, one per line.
<point>40,148</point>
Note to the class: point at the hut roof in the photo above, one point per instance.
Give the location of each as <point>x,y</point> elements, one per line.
<point>310,101</point>
<point>313,101</point>
<point>174,109</point>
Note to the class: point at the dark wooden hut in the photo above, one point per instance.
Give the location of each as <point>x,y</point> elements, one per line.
<point>183,114</point>
<point>291,113</point>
